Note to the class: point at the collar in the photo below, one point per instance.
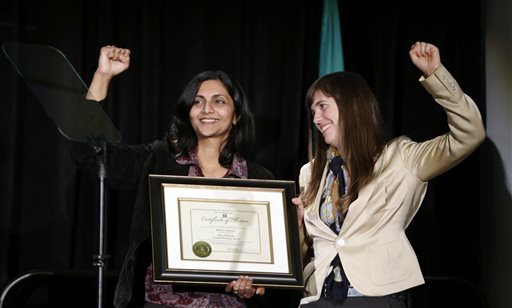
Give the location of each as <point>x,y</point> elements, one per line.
<point>238,168</point>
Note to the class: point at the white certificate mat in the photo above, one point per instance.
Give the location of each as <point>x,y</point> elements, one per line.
<point>239,228</point>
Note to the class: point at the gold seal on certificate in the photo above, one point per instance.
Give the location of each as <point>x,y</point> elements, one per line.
<point>202,249</point>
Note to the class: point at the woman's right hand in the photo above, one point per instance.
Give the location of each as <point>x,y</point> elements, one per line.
<point>300,210</point>
<point>113,60</point>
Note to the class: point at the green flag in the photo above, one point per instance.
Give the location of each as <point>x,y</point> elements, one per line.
<point>331,52</point>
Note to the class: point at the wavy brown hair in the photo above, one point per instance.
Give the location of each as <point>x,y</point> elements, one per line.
<point>362,133</point>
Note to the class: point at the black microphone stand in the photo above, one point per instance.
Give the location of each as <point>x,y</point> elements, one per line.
<point>100,259</point>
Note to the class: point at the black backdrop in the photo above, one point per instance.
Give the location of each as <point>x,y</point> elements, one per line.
<point>48,207</point>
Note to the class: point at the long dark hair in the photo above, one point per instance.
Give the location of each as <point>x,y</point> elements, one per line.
<point>362,132</point>
<point>182,137</point>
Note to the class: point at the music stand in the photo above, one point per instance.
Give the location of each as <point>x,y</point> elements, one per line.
<point>61,91</point>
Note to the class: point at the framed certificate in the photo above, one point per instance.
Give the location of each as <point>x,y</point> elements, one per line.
<point>211,231</point>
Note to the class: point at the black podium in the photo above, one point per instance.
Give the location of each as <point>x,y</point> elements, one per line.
<point>61,91</point>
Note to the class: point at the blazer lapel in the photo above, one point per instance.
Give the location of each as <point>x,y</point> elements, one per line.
<point>357,207</point>
<point>315,215</point>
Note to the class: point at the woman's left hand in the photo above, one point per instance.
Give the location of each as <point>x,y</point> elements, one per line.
<point>426,57</point>
<point>243,287</point>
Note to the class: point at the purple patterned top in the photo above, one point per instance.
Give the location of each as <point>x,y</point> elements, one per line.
<point>163,294</point>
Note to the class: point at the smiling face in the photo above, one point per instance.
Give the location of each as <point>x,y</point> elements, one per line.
<point>325,116</point>
<point>213,111</point>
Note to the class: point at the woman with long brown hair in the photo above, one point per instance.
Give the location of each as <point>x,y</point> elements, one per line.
<point>360,191</point>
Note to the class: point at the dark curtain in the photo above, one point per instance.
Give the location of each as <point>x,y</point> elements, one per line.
<point>48,206</point>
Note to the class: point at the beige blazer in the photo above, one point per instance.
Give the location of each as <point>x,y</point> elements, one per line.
<point>374,250</point>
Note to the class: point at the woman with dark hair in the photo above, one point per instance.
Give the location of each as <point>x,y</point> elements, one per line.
<point>183,136</point>
<point>360,191</point>
<point>210,133</point>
